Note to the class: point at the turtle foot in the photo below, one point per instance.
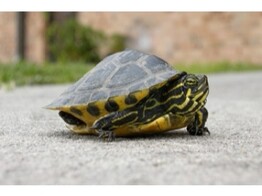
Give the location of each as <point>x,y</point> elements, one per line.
<point>106,135</point>
<point>197,131</point>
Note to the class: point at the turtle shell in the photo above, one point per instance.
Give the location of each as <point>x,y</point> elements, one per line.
<point>118,74</point>
<point>117,82</point>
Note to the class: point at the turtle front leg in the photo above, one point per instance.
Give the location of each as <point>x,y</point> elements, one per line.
<point>197,126</point>
<point>106,134</point>
<point>106,125</point>
<point>102,126</point>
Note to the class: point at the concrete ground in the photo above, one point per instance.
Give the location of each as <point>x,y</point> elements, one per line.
<point>36,148</point>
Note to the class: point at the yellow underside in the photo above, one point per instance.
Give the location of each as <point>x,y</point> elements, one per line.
<point>165,123</point>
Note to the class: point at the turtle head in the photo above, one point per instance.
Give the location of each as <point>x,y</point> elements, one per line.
<point>187,93</point>
<point>195,87</point>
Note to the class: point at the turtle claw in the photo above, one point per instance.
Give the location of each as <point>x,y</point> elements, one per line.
<point>205,130</point>
<point>107,135</point>
<point>198,131</point>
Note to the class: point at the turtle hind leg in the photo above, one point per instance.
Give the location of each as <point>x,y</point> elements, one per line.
<point>197,126</point>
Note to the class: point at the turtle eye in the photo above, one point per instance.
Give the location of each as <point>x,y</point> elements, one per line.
<point>191,82</point>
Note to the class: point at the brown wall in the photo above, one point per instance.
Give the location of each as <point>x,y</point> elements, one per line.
<point>35,43</point>
<point>176,37</point>
<point>7,37</point>
<point>187,37</point>
<point>35,46</point>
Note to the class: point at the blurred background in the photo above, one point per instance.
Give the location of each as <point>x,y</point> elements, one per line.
<point>60,47</point>
<point>36,44</point>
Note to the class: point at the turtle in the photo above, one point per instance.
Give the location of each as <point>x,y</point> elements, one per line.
<point>134,93</point>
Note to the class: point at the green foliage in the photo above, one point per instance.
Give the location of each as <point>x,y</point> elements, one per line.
<point>69,41</point>
<point>118,43</point>
<point>51,73</point>
<point>56,73</point>
<point>218,67</point>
